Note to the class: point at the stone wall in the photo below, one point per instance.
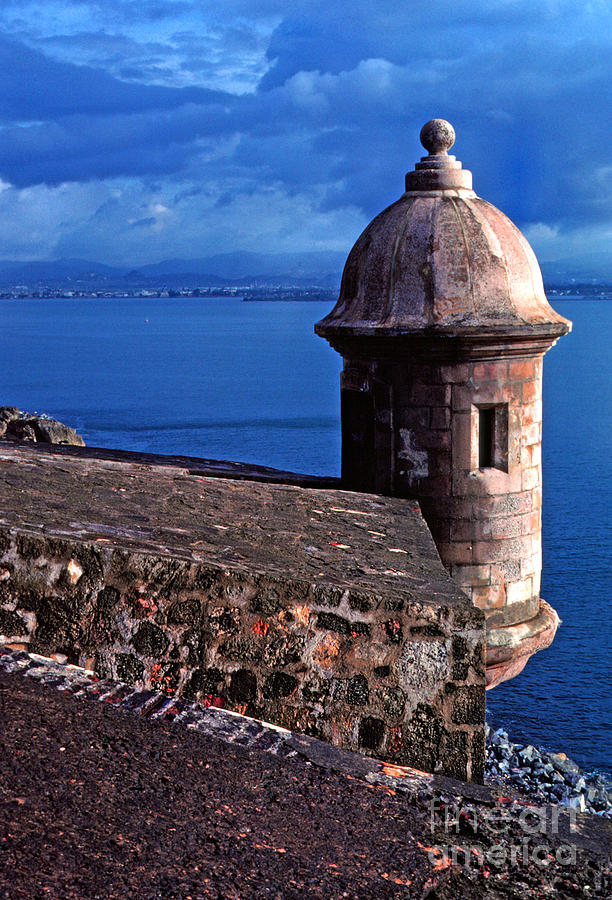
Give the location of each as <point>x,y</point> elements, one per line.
<point>398,680</point>
<point>322,610</point>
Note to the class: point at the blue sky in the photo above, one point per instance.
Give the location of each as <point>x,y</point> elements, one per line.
<point>139,130</point>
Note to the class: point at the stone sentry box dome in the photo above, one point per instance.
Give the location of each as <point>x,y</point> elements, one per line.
<point>443,323</point>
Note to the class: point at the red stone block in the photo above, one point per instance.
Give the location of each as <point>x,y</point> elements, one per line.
<point>519,591</point>
<point>503,505</point>
<point>428,439</point>
<point>440,464</point>
<point>479,576</point>
<point>536,454</point>
<point>411,416</point>
<point>530,565</point>
<point>464,530</point>
<point>515,526</point>
<point>532,390</point>
<point>462,397</point>
<point>532,412</point>
<point>488,483</point>
<point>531,434</point>
<point>531,477</point>
<point>438,487</point>
<point>535,522</point>
<point>496,372</point>
<point>506,570</point>
<point>521,369</point>
<point>498,550</point>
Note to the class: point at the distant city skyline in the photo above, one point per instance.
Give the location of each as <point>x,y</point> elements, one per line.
<point>138,132</point>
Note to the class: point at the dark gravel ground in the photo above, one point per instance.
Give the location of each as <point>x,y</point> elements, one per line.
<point>97,804</point>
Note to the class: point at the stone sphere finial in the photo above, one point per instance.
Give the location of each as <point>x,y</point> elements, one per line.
<point>437,136</point>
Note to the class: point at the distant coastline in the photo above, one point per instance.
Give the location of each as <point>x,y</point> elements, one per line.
<point>264,293</point>
<point>289,295</point>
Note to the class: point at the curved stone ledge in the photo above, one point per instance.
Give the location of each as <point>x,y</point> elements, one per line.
<point>509,648</point>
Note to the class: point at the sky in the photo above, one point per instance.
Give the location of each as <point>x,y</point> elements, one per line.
<point>135,131</point>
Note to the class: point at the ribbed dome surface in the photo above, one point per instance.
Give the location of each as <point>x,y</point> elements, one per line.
<point>441,260</point>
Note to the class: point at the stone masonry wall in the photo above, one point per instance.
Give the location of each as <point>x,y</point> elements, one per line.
<point>422,441</point>
<point>395,678</point>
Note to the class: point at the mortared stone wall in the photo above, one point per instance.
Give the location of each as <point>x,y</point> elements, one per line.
<point>411,429</point>
<point>324,611</point>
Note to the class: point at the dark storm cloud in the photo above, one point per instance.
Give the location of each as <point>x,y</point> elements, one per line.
<point>79,148</point>
<point>34,87</point>
<point>526,84</point>
<point>325,37</point>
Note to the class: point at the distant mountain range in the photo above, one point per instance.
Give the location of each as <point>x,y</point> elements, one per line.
<point>321,269</point>
<point>588,268</point>
<point>318,269</point>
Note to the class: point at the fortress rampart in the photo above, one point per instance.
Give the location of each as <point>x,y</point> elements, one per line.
<point>321,610</point>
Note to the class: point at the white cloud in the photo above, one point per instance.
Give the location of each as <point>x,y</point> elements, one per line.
<point>552,242</point>
<point>135,224</point>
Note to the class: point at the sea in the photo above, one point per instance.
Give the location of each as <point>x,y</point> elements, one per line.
<point>249,381</point>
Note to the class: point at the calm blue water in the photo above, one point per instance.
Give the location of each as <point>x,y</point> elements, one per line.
<point>250,381</point>
<point>214,378</point>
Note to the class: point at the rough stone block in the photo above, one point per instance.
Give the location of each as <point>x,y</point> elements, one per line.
<point>500,550</point>
<point>463,530</point>
<point>468,706</point>
<point>479,576</point>
<point>455,374</point>
<point>491,597</point>
<point>521,369</point>
<point>430,394</point>
<point>531,412</point>
<point>532,391</point>
<point>462,398</point>
<point>440,417</point>
<point>530,478</point>
<point>532,434</point>
<point>496,372</point>
<point>456,552</point>
<point>519,591</point>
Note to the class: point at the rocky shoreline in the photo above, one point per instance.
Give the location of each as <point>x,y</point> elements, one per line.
<point>546,776</point>
<point>17,425</point>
